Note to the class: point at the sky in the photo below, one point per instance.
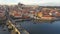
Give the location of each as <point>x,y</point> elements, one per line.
<point>29,2</point>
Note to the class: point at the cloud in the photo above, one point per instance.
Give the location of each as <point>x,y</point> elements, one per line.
<point>28,2</point>
<point>8,2</point>
<point>39,1</point>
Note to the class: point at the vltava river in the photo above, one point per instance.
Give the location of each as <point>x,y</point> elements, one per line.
<point>41,27</point>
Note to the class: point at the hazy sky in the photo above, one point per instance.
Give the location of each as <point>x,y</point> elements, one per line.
<point>38,2</point>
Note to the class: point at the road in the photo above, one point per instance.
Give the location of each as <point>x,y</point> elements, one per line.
<point>3,27</point>
<point>4,30</point>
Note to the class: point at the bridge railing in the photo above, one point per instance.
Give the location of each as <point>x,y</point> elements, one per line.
<point>12,28</point>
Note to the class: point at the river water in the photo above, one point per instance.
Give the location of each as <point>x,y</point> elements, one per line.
<point>41,27</point>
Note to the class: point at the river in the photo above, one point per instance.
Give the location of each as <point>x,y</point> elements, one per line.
<point>41,27</point>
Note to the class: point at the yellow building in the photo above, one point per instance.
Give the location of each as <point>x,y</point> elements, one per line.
<point>39,14</point>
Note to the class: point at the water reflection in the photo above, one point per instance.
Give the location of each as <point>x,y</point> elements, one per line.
<point>43,22</point>
<point>42,27</point>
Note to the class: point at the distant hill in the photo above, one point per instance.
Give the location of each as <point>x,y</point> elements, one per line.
<point>49,4</point>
